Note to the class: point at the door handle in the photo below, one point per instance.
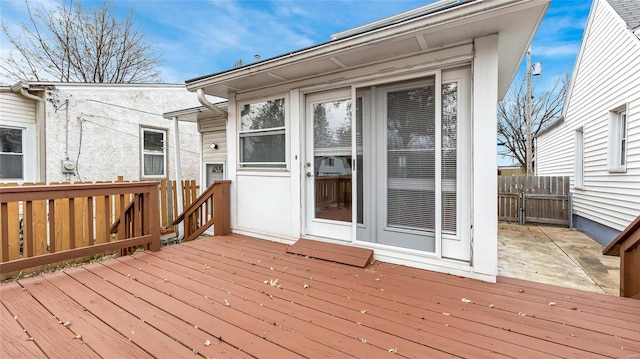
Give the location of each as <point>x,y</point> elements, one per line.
<point>309,174</point>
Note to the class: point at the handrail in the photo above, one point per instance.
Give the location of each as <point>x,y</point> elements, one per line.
<point>211,208</point>
<point>63,222</point>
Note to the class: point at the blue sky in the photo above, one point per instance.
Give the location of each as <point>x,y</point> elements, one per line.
<point>200,37</point>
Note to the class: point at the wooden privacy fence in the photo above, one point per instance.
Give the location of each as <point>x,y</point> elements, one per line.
<point>534,199</point>
<point>169,199</point>
<point>211,208</point>
<point>63,222</point>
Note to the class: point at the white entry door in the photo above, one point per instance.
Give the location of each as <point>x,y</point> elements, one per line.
<point>328,165</point>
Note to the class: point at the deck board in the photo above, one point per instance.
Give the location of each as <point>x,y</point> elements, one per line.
<point>16,346</point>
<point>169,303</point>
<point>370,294</point>
<point>339,253</point>
<point>95,333</point>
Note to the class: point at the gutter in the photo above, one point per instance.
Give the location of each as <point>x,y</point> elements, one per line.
<point>23,87</point>
<point>206,103</point>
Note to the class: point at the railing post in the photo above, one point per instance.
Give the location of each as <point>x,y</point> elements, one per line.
<point>154,217</point>
<point>221,209</point>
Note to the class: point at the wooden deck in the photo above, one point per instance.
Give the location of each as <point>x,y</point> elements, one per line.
<point>235,296</point>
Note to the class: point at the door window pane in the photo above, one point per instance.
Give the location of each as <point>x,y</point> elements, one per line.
<point>449,158</point>
<point>411,158</point>
<point>332,160</point>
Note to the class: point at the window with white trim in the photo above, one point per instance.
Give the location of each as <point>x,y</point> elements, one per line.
<point>262,134</point>
<point>579,158</point>
<point>12,155</point>
<point>154,153</point>
<point>618,140</point>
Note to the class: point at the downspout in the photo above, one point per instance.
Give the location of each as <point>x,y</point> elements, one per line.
<point>176,139</point>
<point>203,100</point>
<point>41,144</point>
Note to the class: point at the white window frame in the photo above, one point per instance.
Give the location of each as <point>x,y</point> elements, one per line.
<point>579,159</point>
<point>29,150</point>
<point>277,166</point>
<point>617,146</point>
<point>164,133</point>
<point>204,171</point>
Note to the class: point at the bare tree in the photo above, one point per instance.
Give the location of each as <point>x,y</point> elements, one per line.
<point>76,44</point>
<point>512,125</point>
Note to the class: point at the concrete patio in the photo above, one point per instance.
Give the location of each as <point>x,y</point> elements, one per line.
<point>555,255</point>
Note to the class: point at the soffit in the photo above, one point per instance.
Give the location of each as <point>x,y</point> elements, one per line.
<point>515,21</point>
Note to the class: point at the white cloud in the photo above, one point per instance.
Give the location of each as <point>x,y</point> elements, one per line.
<point>556,50</point>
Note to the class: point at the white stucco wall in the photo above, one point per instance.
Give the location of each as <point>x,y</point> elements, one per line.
<point>104,129</point>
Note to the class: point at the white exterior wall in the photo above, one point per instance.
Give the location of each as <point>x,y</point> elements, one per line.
<point>269,203</point>
<point>607,76</point>
<point>104,129</point>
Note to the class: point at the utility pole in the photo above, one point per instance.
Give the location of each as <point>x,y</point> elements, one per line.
<point>528,115</point>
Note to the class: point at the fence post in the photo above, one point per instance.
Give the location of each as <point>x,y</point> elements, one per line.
<point>570,210</point>
<point>522,218</point>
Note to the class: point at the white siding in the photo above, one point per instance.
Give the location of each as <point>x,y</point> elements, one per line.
<point>607,77</point>
<point>17,108</point>
<point>213,131</point>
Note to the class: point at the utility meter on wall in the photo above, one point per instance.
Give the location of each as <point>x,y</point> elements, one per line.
<point>68,166</point>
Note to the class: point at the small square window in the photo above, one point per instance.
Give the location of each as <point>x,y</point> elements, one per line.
<point>579,159</point>
<point>262,134</point>
<point>154,153</point>
<point>617,151</point>
<point>11,153</point>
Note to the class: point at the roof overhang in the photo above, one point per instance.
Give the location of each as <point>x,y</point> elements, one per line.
<point>515,22</point>
<point>196,114</point>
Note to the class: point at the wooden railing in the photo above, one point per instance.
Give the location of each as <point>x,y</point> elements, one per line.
<point>211,208</point>
<point>333,191</point>
<point>64,222</point>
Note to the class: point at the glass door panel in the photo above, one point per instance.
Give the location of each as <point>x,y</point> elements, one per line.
<point>332,160</point>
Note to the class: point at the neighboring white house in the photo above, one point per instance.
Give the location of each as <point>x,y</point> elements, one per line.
<point>408,104</point>
<point>597,140</point>
<point>54,132</point>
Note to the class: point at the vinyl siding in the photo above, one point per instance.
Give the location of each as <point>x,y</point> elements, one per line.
<point>607,77</point>
<point>213,131</point>
<point>17,108</point>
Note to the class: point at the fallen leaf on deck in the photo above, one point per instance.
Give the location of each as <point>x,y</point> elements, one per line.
<point>491,305</point>
<point>207,267</point>
<point>226,302</point>
<point>77,336</point>
<point>574,308</point>
<point>67,324</point>
<point>305,286</point>
<point>465,300</point>
<point>363,311</point>
<point>393,350</point>
<point>207,342</point>
<point>552,303</point>
<point>447,314</point>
